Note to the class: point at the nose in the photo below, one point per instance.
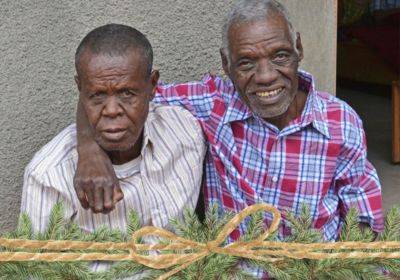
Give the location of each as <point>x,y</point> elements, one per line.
<point>112,108</point>
<point>266,73</point>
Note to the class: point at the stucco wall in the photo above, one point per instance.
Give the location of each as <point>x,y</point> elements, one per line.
<point>38,39</point>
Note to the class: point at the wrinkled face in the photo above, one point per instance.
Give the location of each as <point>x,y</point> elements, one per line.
<point>263,65</point>
<point>115,92</point>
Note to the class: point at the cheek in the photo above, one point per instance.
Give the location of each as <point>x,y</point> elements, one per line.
<point>290,72</point>
<point>241,81</point>
<point>137,113</point>
<point>93,114</point>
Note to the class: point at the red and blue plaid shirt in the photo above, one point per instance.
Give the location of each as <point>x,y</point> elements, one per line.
<point>320,158</point>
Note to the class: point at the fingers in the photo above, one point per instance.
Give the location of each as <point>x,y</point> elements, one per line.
<point>90,194</point>
<point>80,193</point>
<point>117,193</point>
<point>108,200</point>
<point>98,205</point>
<point>100,195</point>
<point>103,195</point>
<point>111,197</point>
<point>82,198</point>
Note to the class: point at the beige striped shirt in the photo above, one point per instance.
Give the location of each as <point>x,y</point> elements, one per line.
<point>165,178</point>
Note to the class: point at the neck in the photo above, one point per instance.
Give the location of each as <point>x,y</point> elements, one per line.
<point>295,109</point>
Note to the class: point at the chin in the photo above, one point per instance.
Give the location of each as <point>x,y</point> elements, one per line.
<point>115,147</point>
<point>269,115</point>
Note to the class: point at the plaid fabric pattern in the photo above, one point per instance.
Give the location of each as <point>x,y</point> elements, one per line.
<point>319,159</point>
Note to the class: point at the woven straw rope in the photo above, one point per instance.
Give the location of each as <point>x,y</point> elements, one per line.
<point>257,249</point>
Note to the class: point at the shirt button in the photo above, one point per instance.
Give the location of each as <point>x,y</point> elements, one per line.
<point>275,179</point>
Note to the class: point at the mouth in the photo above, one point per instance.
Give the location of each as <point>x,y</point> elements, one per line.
<point>271,93</point>
<point>113,135</point>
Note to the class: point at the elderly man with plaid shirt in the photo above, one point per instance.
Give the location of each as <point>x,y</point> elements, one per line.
<point>272,137</point>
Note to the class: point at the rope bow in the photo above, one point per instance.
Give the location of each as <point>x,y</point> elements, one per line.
<point>257,249</point>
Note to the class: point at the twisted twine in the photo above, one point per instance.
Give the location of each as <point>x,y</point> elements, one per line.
<point>257,249</point>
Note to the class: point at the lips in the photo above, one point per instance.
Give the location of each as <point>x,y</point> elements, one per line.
<point>268,96</point>
<point>269,93</point>
<point>113,134</point>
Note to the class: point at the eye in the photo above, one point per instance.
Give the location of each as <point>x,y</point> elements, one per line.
<point>127,93</point>
<point>97,95</point>
<point>245,64</point>
<point>281,57</point>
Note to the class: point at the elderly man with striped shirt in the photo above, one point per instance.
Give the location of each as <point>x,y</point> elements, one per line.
<point>272,137</point>
<point>156,151</point>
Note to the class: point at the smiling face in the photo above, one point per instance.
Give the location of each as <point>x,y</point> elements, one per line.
<point>263,65</point>
<point>115,92</point>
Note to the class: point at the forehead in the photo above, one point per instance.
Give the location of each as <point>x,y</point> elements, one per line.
<point>266,31</point>
<point>92,64</point>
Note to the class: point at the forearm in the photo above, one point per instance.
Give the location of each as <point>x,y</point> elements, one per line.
<point>85,135</point>
<point>358,185</point>
<point>95,182</point>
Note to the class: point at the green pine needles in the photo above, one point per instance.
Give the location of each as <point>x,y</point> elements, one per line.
<point>214,266</point>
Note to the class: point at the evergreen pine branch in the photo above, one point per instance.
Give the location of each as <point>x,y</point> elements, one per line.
<point>23,230</point>
<point>70,271</point>
<point>301,226</point>
<point>214,222</point>
<point>214,266</point>
<point>273,270</point>
<point>72,232</point>
<point>126,269</point>
<point>15,271</point>
<point>24,227</point>
<point>392,225</point>
<point>55,227</point>
<point>373,276</point>
<point>190,228</point>
<point>296,270</point>
<point>392,266</point>
<point>133,222</point>
<point>255,227</point>
<point>351,230</point>
<point>104,234</point>
<point>391,233</point>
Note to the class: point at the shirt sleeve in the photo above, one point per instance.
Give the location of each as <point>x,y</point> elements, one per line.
<point>38,200</point>
<point>357,181</point>
<point>197,97</point>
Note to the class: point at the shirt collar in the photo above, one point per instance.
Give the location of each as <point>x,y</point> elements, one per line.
<point>237,110</point>
<point>148,130</point>
<point>313,114</point>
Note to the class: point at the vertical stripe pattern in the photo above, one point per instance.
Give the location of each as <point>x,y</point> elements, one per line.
<point>159,184</point>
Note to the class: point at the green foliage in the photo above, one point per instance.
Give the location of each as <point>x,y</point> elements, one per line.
<point>58,230</point>
<point>332,269</point>
<point>302,231</point>
<point>392,225</point>
<point>214,266</point>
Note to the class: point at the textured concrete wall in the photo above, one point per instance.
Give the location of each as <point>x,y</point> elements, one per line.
<point>38,39</point>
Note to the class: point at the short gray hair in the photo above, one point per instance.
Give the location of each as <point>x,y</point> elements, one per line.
<point>245,11</point>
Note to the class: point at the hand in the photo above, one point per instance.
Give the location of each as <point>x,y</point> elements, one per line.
<point>95,182</point>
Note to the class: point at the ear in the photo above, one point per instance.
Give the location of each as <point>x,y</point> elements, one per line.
<point>299,46</point>
<point>225,61</point>
<point>77,82</point>
<point>154,76</point>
